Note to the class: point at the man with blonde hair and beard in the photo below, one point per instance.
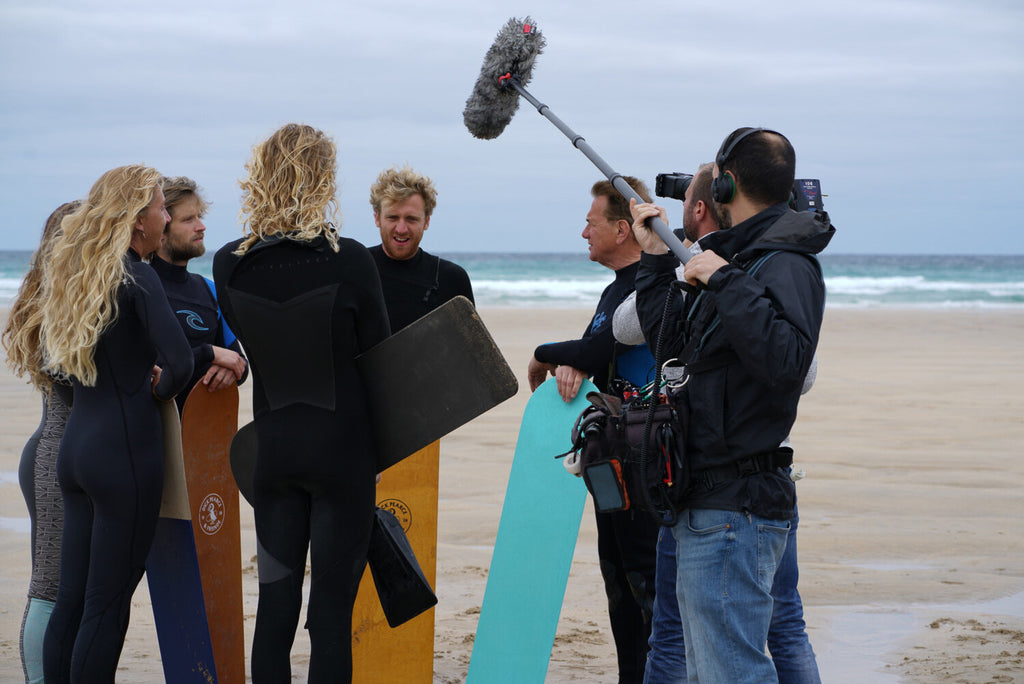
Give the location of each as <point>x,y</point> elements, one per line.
<point>415,282</point>
<point>217,355</point>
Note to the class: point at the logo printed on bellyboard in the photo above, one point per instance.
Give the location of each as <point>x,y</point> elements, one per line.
<point>211,513</point>
<point>401,511</point>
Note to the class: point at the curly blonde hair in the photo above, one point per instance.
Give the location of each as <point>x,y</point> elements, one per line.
<point>399,184</point>
<point>87,266</point>
<point>290,188</point>
<point>21,334</point>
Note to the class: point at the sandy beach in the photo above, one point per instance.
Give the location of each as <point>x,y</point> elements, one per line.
<point>911,551</point>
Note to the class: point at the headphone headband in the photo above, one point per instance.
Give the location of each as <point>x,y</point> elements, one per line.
<point>725,152</point>
<point>723,186</point>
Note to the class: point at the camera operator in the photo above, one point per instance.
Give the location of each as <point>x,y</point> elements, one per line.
<point>748,341</point>
<point>788,643</point>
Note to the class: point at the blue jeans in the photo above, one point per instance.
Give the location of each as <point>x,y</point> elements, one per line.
<point>725,567</point>
<point>787,636</point>
<point>666,659</point>
<point>787,639</point>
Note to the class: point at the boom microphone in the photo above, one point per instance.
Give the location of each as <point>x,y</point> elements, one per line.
<point>493,103</point>
<point>491,106</point>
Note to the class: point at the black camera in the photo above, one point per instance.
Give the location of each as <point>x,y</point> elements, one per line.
<point>672,185</point>
<point>806,195</point>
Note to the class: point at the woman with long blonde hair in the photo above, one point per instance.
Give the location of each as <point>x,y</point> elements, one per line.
<point>37,472</point>
<point>105,320</point>
<point>304,302</point>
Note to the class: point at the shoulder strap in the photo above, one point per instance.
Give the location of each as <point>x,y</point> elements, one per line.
<point>700,331</point>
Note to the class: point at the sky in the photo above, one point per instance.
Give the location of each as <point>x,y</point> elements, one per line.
<point>909,112</point>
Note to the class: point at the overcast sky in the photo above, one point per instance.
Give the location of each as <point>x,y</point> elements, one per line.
<point>910,112</point>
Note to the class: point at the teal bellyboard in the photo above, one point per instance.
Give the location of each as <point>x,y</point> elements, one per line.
<point>540,521</point>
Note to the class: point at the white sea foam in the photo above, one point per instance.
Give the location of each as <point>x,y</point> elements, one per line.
<point>8,290</point>
<point>880,286</point>
<point>852,281</point>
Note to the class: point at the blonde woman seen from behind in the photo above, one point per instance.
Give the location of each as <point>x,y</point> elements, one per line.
<point>37,472</point>
<point>304,302</point>
<point>105,320</point>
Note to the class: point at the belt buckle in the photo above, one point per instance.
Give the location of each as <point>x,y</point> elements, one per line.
<point>747,467</point>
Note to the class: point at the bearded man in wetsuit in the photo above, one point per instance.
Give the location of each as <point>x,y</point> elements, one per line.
<point>626,540</point>
<point>217,355</point>
<point>414,281</point>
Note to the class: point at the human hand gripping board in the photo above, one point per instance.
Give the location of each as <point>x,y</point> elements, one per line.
<point>540,521</point>
<point>426,380</point>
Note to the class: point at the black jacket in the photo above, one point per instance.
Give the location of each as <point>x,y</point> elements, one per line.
<point>767,334</point>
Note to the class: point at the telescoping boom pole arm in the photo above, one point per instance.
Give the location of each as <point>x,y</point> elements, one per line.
<point>659,226</point>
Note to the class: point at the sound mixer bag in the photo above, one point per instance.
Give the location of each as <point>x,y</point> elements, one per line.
<point>401,585</point>
<point>632,451</point>
<point>619,472</point>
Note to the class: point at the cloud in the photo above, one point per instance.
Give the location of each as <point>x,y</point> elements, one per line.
<point>899,107</point>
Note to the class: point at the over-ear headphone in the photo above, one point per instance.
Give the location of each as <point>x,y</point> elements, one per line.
<point>723,186</point>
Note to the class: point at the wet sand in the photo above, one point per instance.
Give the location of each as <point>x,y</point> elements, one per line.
<point>911,556</point>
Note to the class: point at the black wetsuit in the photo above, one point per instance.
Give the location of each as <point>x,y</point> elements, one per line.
<point>110,468</point>
<point>626,540</point>
<point>303,313</point>
<point>415,287</point>
<point>192,299</point>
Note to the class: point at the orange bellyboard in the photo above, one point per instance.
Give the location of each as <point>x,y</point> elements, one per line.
<point>208,423</point>
<point>405,653</point>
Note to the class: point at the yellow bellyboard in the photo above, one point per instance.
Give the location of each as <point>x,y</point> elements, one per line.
<point>406,653</point>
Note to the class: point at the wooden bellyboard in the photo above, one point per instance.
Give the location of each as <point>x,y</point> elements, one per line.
<point>533,551</point>
<point>172,571</point>
<point>405,653</point>
<point>208,423</point>
<point>431,377</point>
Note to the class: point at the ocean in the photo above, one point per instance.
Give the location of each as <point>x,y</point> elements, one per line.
<point>571,280</point>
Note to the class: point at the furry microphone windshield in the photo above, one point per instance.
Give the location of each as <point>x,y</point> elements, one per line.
<point>493,101</point>
<point>495,98</point>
